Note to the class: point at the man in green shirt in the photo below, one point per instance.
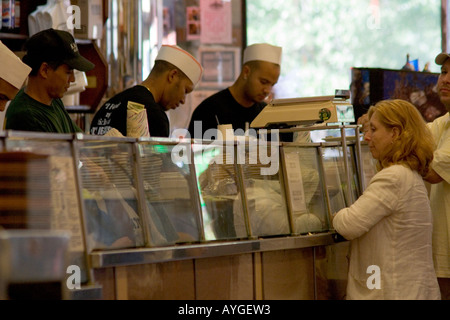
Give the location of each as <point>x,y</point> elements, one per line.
<point>52,55</point>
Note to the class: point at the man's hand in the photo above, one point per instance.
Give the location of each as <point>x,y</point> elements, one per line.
<point>364,121</point>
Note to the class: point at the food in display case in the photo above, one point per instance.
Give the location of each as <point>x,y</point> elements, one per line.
<point>267,211</point>
<point>109,192</point>
<point>264,192</point>
<point>305,189</point>
<point>218,186</point>
<point>170,195</point>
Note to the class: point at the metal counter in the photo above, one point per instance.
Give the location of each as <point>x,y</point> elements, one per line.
<point>104,259</point>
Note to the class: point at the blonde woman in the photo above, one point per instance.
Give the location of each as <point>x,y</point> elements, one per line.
<point>390,225</point>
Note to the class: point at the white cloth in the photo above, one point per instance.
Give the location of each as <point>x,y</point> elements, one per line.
<point>13,70</point>
<point>440,197</point>
<point>137,123</point>
<point>390,226</point>
<point>266,209</point>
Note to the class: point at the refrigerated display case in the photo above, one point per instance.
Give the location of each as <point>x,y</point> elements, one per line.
<point>133,205</point>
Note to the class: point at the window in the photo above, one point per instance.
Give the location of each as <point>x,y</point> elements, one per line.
<point>322,40</point>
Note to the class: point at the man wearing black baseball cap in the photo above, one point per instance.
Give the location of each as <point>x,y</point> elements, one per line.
<point>52,55</point>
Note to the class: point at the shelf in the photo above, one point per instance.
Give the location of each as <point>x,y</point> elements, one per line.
<point>13,36</point>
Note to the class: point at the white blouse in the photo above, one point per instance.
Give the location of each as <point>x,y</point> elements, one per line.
<point>390,228</point>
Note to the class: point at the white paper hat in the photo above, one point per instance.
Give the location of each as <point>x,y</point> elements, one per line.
<point>182,60</point>
<point>12,69</point>
<point>263,52</point>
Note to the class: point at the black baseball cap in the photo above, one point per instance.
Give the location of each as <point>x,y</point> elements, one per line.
<point>52,45</point>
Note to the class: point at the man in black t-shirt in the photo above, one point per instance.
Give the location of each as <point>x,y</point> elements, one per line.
<point>244,100</point>
<point>174,75</point>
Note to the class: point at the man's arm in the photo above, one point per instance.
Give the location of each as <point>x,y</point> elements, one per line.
<point>433,178</point>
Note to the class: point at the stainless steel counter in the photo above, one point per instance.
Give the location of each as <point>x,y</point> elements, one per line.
<point>105,259</point>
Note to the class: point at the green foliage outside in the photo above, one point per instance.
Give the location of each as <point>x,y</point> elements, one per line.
<point>323,39</point>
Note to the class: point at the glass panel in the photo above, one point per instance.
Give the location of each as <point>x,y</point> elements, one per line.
<point>334,134</point>
<point>219,191</point>
<point>170,195</point>
<point>335,177</point>
<point>109,194</point>
<point>266,202</point>
<point>305,188</point>
<point>355,189</point>
<point>64,201</point>
<point>369,165</point>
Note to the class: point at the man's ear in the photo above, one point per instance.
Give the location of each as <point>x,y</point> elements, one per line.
<point>44,69</point>
<point>246,72</point>
<point>172,75</point>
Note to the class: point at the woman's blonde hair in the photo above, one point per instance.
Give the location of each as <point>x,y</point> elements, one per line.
<point>415,144</point>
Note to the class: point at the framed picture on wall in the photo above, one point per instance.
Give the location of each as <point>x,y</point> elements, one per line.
<point>193,25</point>
<point>221,66</point>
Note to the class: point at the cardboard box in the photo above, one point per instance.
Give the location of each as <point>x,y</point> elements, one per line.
<point>91,19</point>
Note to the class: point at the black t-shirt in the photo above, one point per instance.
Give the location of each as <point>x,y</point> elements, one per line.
<point>227,110</point>
<point>113,114</point>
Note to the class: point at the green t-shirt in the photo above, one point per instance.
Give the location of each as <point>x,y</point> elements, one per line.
<point>26,114</point>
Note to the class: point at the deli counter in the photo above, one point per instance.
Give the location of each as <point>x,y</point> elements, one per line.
<point>191,219</point>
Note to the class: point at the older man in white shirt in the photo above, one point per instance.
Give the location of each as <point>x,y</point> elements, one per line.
<point>440,180</point>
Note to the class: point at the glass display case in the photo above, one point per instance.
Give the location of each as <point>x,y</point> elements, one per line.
<point>219,188</point>
<point>153,200</point>
<point>109,188</point>
<point>129,193</point>
<point>342,154</point>
<point>306,191</point>
<point>263,189</point>
<point>170,192</point>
